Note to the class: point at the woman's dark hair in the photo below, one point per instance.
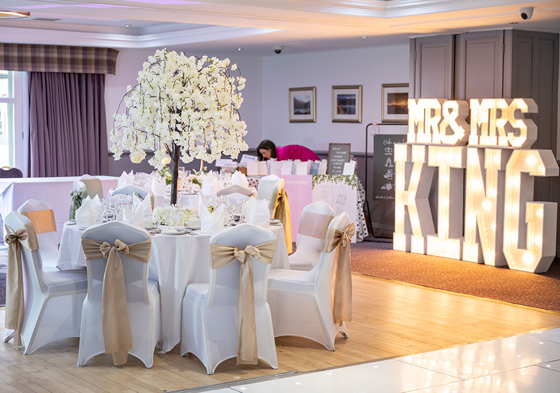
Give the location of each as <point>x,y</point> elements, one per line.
<point>268,145</point>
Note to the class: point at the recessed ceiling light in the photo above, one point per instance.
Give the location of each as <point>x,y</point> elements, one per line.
<point>239,48</point>
<point>364,36</point>
<point>14,14</point>
<point>513,23</point>
<point>127,25</point>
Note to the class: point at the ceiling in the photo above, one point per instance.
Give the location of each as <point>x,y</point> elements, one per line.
<point>258,25</point>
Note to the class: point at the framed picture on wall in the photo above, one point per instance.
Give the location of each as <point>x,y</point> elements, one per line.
<point>347,104</point>
<point>303,105</point>
<point>395,103</point>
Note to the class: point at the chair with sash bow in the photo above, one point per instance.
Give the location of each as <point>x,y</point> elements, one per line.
<point>312,229</point>
<point>41,307</point>
<point>230,317</point>
<point>121,313</point>
<point>271,188</point>
<point>42,217</point>
<point>132,189</point>
<point>235,192</point>
<point>306,304</point>
<point>92,186</point>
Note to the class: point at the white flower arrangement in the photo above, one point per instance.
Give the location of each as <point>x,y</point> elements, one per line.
<point>186,103</point>
<point>172,216</point>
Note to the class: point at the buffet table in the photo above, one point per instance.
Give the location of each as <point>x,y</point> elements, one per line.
<point>53,190</point>
<point>175,262</point>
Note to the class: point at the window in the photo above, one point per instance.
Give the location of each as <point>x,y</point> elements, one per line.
<point>12,92</point>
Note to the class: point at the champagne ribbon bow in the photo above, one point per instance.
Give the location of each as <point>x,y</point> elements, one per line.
<point>26,237</point>
<point>114,310</point>
<point>343,281</point>
<point>282,212</point>
<point>223,255</point>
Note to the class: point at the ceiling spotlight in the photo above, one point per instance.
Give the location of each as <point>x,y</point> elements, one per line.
<point>364,36</point>
<point>239,48</point>
<point>14,14</point>
<point>127,25</point>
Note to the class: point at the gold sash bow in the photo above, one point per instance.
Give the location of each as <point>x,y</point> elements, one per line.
<point>42,220</point>
<point>223,255</point>
<point>114,310</point>
<point>343,282</point>
<point>282,212</point>
<point>26,237</point>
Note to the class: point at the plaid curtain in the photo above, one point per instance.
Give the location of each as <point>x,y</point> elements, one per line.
<point>54,58</point>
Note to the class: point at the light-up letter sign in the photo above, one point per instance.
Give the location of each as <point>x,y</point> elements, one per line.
<point>450,160</point>
<point>412,170</point>
<point>525,246</point>
<point>502,224</point>
<point>484,206</point>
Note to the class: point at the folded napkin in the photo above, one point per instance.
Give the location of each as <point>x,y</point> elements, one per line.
<point>158,185</point>
<point>136,218</point>
<point>97,204</point>
<point>249,206</point>
<point>239,179</point>
<point>259,214</point>
<point>86,215</point>
<point>144,205</point>
<point>209,185</point>
<point>212,222</point>
<point>194,222</point>
<point>125,179</point>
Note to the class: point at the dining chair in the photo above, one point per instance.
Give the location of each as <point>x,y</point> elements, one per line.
<point>8,172</point>
<point>301,302</point>
<point>131,189</point>
<point>210,318</point>
<point>268,189</point>
<point>93,186</point>
<point>52,300</point>
<point>235,192</point>
<point>41,216</point>
<point>313,224</point>
<point>140,295</point>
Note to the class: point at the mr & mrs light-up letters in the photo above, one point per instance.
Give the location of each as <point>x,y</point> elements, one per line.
<point>503,225</point>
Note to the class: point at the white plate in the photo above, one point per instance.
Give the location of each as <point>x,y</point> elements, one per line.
<point>173,232</point>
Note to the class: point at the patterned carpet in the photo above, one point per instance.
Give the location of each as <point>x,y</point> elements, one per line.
<point>533,290</point>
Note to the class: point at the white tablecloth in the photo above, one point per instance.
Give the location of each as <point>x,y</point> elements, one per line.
<point>53,190</point>
<point>176,261</point>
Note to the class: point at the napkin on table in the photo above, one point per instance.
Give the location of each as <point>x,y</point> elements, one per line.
<point>211,222</point>
<point>136,218</point>
<point>97,204</point>
<point>259,214</point>
<point>239,179</point>
<point>126,179</point>
<point>86,215</point>
<point>158,185</point>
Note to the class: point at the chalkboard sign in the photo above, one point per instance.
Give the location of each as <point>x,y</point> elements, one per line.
<point>339,154</point>
<point>383,205</point>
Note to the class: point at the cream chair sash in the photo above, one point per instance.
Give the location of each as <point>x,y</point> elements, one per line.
<point>314,224</point>
<point>343,282</point>
<point>114,310</point>
<point>282,212</point>
<point>223,255</point>
<point>42,220</point>
<point>26,237</point>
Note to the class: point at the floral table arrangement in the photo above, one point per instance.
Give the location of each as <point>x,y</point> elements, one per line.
<point>177,216</point>
<point>182,108</point>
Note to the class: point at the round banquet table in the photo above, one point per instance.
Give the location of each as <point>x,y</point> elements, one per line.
<point>175,262</point>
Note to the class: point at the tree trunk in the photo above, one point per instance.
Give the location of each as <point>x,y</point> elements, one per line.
<point>175,173</point>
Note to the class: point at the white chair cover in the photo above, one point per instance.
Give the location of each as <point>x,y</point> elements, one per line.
<point>131,189</point>
<point>268,189</point>
<point>209,327</point>
<point>38,211</point>
<point>93,186</point>
<point>302,302</point>
<point>142,297</point>
<point>235,189</point>
<point>313,225</point>
<point>52,300</point>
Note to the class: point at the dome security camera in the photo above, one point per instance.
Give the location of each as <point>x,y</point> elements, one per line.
<point>278,49</point>
<point>526,12</point>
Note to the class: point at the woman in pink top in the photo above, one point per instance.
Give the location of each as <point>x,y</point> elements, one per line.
<point>267,150</point>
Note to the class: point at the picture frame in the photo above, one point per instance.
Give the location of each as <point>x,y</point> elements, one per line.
<point>347,104</point>
<point>303,104</point>
<point>394,103</point>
